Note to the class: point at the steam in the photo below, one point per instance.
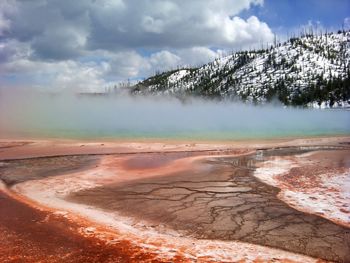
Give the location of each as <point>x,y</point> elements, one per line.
<point>24,113</point>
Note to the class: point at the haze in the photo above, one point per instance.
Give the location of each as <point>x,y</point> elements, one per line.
<point>61,115</point>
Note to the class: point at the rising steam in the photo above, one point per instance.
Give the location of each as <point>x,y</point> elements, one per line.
<point>67,115</point>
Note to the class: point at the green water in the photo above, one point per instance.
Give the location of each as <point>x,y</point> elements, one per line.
<point>182,135</point>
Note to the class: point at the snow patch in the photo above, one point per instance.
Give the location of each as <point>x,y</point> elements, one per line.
<point>178,75</point>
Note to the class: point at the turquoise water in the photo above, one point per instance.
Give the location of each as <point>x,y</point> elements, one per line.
<point>181,135</point>
<point>150,118</point>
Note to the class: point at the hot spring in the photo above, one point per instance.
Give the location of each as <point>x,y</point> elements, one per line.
<point>72,116</point>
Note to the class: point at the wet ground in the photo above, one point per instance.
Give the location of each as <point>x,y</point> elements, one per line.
<point>222,201</point>
<point>17,171</point>
<point>30,235</point>
<point>225,202</point>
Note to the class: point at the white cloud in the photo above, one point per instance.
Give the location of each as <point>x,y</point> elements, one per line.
<point>80,77</point>
<point>62,75</point>
<point>89,44</point>
<point>250,31</point>
<point>128,64</point>
<point>102,69</point>
<point>164,60</point>
<point>113,25</point>
<point>198,55</point>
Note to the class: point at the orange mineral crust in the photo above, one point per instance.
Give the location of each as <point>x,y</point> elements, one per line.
<point>31,235</point>
<point>174,202</point>
<point>316,182</point>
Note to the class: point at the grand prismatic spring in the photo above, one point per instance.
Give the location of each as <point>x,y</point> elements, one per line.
<point>153,131</point>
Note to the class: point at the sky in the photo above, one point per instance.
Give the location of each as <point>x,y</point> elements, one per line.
<point>89,45</point>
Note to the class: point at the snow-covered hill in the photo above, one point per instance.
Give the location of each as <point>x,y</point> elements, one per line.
<point>310,70</point>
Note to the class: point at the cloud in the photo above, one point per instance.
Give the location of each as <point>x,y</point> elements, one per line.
<point>112,25</point>
<point>130,64</point>
<point>117,39</point>
<point>198,55</point>
<point>164,60</point>
<point>4,24</point>
<point>177,24</point>
<point>6,10</point>
<point>20,70</point>
<point>347,23</point>
<point>101,69</point>
<point>69,43</point>
<point>11,50</point>
<point>127,64</point>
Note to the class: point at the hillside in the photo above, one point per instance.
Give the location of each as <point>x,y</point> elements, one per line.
<point>310,70</point>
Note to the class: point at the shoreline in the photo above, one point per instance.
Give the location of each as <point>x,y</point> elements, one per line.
<point>26,148</point>
<point>116,139</point>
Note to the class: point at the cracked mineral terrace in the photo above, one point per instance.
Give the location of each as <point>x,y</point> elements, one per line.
<point>225,202</point>
<point>221,197</point>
